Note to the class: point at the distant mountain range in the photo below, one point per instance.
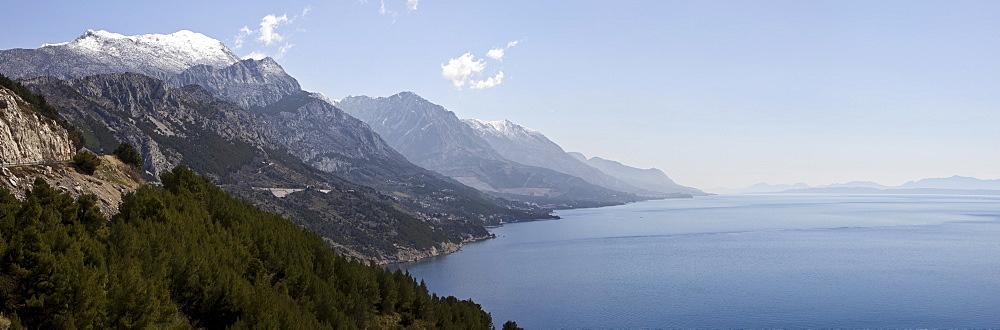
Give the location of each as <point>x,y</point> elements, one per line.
<point>248,126</point>
<point>433,137</point>
<point>650,179</point>
<point>531,147</point>
<point>951,185</point>
<point>396,185</point>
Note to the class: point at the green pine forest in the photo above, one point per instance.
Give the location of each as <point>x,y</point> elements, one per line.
<point>188,255</point>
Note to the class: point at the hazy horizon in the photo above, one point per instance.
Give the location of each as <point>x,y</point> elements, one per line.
<point>715,94</point>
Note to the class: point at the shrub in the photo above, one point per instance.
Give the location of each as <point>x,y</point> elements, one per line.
<point>127,154</point>
<point>88,162</point>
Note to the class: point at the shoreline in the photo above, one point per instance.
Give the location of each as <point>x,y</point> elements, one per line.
<point>434,253</point>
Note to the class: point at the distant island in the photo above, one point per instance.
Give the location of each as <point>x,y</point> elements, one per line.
<point>955,185</point>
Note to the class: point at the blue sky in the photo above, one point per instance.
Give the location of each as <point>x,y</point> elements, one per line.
<point>715,93</point>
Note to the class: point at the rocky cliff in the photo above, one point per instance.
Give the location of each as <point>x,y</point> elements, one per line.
<point>27,136</point>
<point>249,83</point>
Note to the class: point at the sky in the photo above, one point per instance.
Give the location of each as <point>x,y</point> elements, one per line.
<point>714,93</point>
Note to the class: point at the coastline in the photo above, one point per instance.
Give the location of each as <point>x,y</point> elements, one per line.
<point>413,256</point>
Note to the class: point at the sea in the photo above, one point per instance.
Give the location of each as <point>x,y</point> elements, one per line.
<point>741,261</point>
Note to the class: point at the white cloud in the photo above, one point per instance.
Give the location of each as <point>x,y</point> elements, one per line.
<point>463,70</point>
<point>489,82</point>
<point>460,69</point>
<point>392,8</point>
<point>284,49</point>
<point>244,32</point>
<point>496,53</point>
<point>268,24</point>
<point>255,55</point>
<point>267,36</point>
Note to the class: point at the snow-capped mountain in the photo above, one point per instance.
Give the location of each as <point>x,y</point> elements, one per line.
<point>99,52</point>
<point>278,113</point>
<point>507,129</point>
<point>531,147</point>
<point>435,138</point>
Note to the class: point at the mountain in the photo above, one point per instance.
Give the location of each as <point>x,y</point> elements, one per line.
<point>188,255</point>
<point>855,184</point>
<point>28,136</point>
<point>650,179</point>
<point>312,129</point>
<point>762,188</point>
<point>250,83</point>
<point>97,52</point>
<point>530,147</point>
<point>247,124</point>
<point>433,137</point>
<point>952,185</point>
<point>954,182</point>
<point>219,139</point>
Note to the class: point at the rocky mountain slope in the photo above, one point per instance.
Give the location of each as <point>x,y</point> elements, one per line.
<point>249,83</point>
<point>651,178</point>
<point>191,127</point>
<point>309,127</point>
<point>531,147</point>
<point>304,123</point>
<point>28,137</point>
<point>433,137</point>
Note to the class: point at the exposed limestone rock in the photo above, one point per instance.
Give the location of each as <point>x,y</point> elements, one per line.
<point>110,181</point>
<point>26,136</point>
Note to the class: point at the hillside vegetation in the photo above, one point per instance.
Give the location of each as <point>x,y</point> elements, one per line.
<point>189,255</point>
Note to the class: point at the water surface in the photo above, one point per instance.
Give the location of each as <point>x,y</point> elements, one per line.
<point>740,261</point>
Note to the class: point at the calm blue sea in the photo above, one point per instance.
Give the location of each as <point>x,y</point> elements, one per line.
<point>759,261</point>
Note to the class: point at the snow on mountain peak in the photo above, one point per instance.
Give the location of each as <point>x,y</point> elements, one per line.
<point>503,128</point>
<point>172,53</point>
<point>507,127</point>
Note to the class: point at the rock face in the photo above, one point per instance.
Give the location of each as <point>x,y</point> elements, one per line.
<point>109,183</point>
<point>26,136</point>
<point>325,137</point>
<point>249,83</point>
<point>188,126</point>
<point>145,112</point>
<point>433,137</point>
<point>531,147</point>
<point>247,124</point>
<point>651,178</point>
<point>97,52</point>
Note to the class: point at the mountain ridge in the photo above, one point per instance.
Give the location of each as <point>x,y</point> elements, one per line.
<point>955,183</point>
<point>431,136</point>
<point>651,179</point>
<point>531,147</point>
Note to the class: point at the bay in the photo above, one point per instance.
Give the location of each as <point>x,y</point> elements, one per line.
<point>758,261</point>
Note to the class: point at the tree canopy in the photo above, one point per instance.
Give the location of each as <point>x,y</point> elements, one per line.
<point>127,154</point>
<point>189,255</point>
